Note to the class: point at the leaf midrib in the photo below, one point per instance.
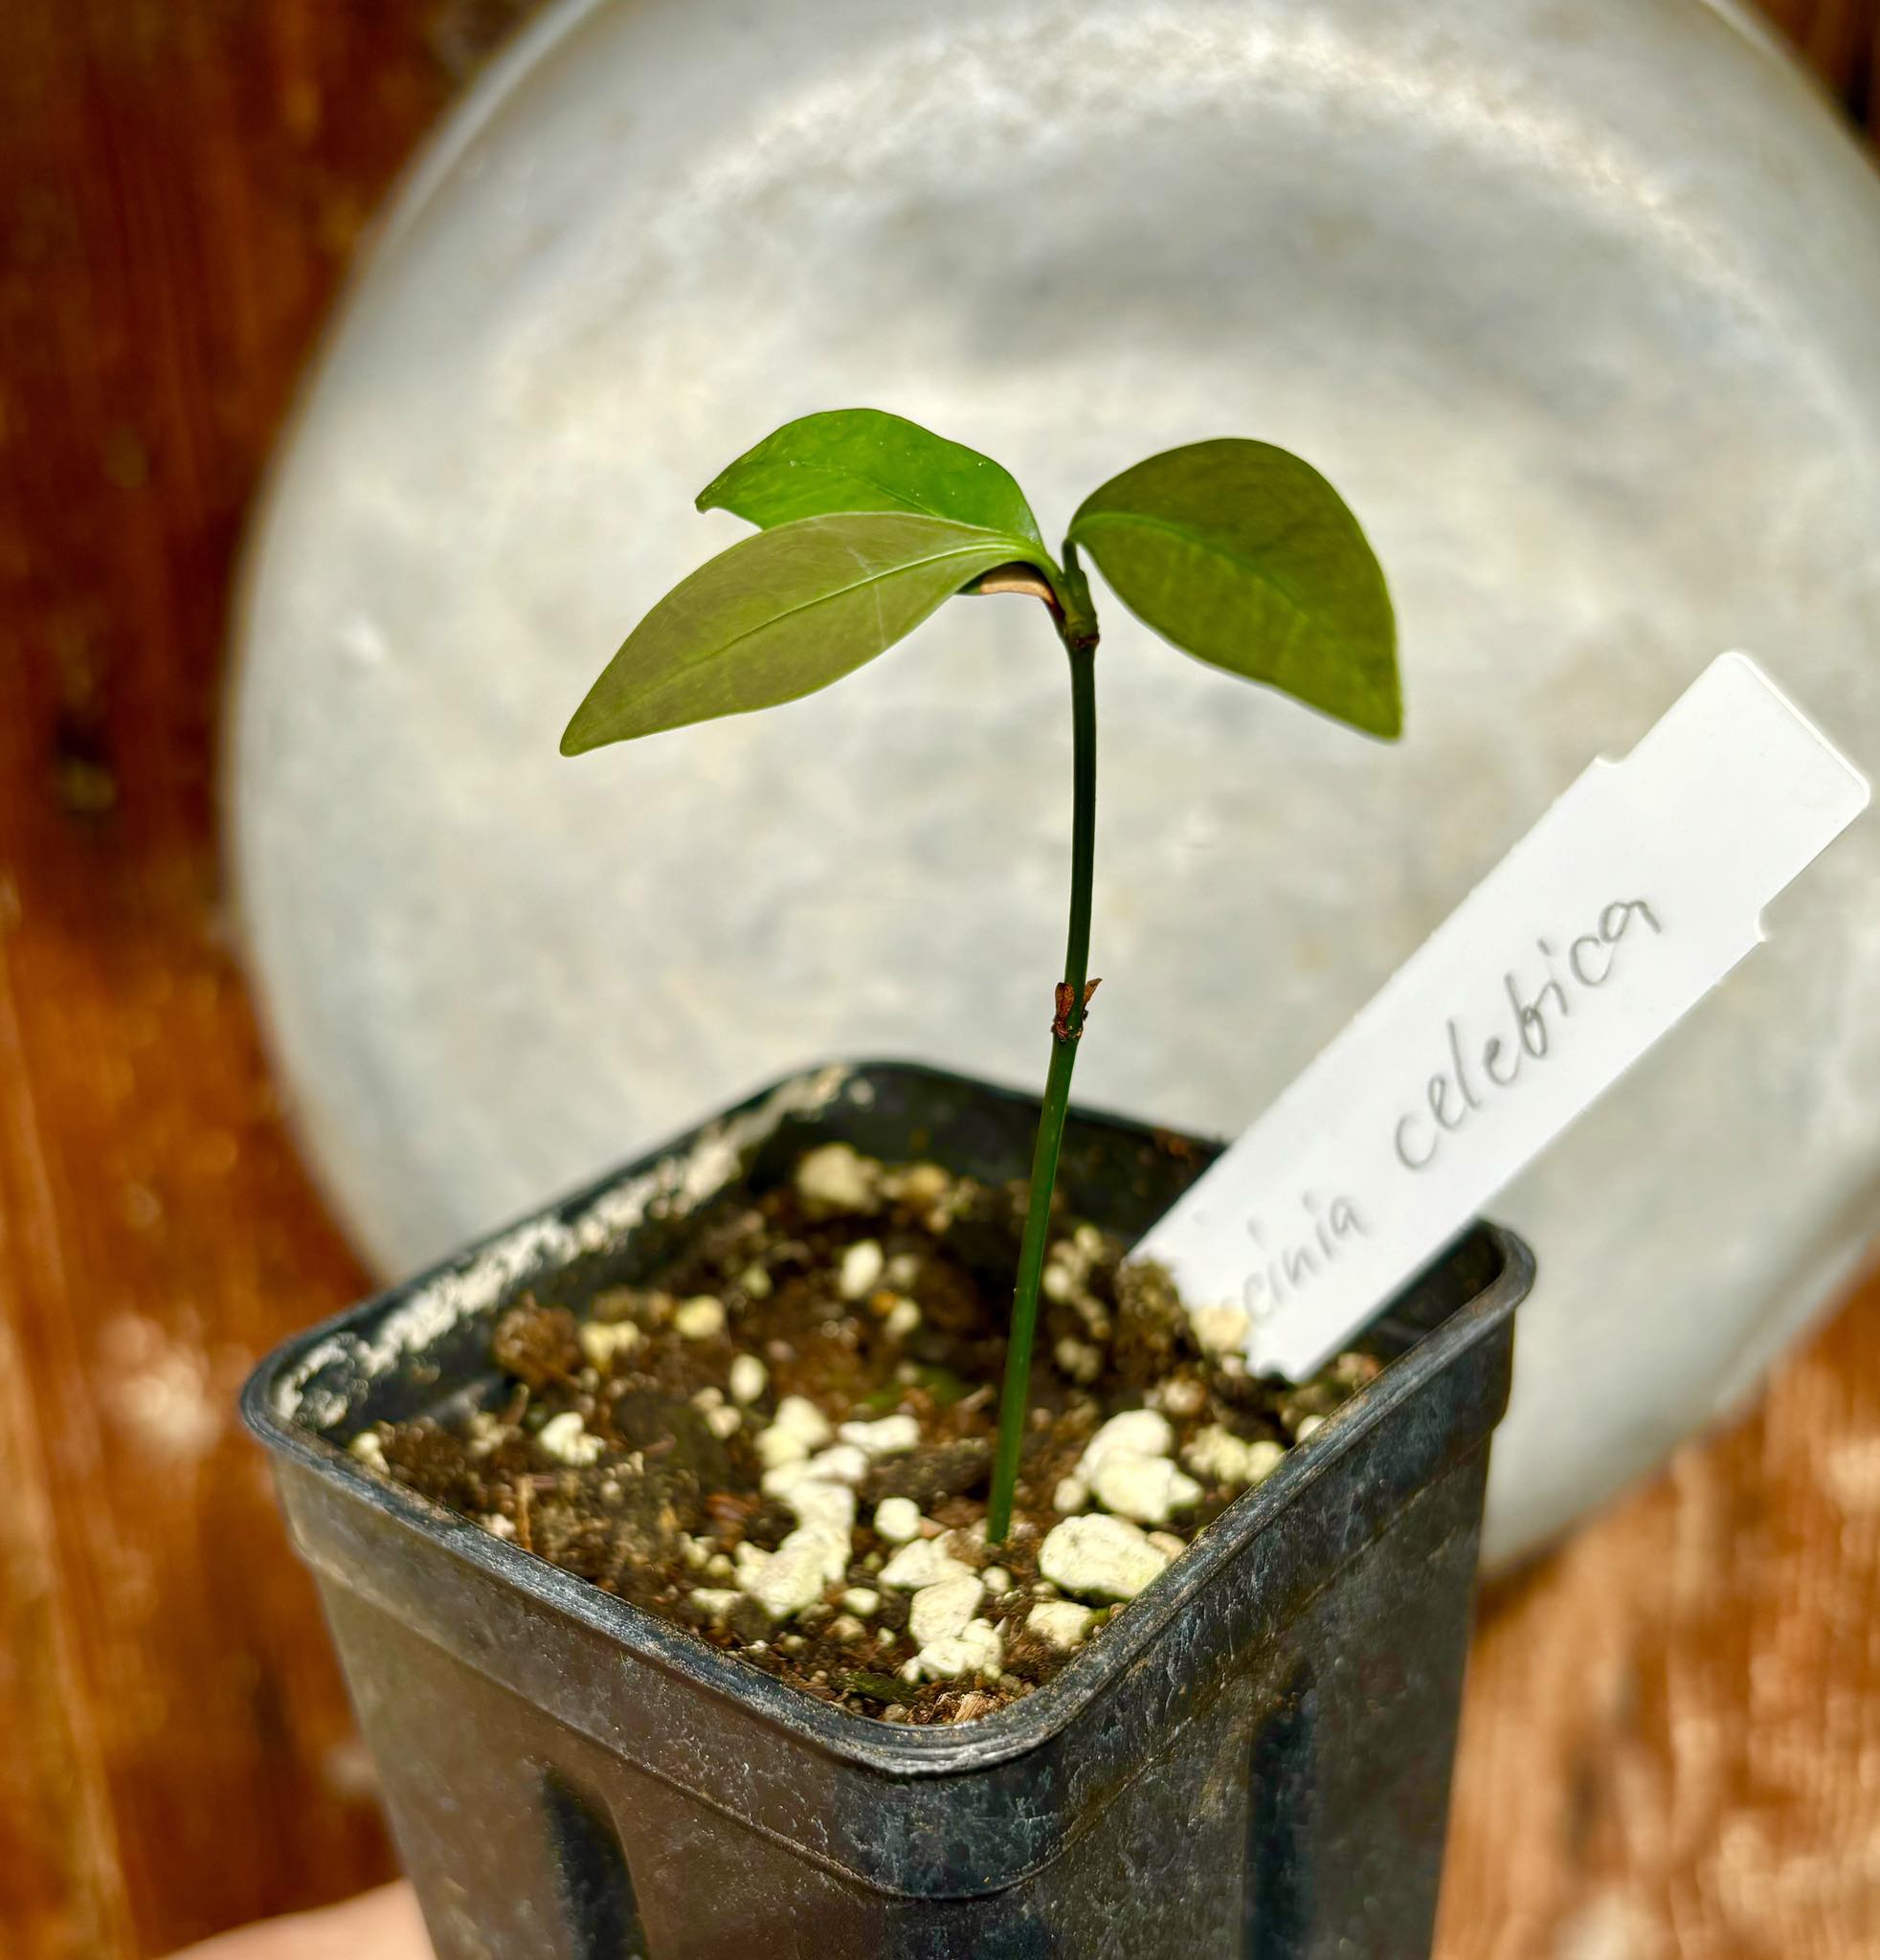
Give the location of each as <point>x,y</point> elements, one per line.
<point>906,500</point>
<point>1296,606</point>
<point>828,598</point>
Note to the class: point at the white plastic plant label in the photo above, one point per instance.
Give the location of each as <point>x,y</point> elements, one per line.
<point>1629,899</point>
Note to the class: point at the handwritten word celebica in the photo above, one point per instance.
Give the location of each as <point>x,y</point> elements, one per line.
<point>1533,1030</point>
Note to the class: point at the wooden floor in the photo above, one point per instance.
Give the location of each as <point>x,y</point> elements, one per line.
<point>1672,1745</point>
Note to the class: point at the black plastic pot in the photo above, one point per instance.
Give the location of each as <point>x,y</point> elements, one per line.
<point>1252,1761</point>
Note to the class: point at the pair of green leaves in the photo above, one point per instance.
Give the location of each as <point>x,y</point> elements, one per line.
<point>1236,551</point>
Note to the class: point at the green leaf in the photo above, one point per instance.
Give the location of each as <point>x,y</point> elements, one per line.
<point>1246,557</point>
<point>780,616</point>
<point>863,460</point>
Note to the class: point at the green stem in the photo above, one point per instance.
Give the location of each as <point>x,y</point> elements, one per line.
<point>1080,636</point>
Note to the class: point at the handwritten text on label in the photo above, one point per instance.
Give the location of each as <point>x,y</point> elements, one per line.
<point>1627,902</point>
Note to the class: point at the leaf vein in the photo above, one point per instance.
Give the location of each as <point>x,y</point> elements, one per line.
<point>1301,613</point>
<point>873,579</point>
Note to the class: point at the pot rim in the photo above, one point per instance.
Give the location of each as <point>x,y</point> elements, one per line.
<point>897,1748</point>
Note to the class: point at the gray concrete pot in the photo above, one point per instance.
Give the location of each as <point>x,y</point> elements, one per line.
<point>1253,1761</point>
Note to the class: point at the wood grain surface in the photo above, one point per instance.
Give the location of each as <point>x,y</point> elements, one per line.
<point>1672,1743</point>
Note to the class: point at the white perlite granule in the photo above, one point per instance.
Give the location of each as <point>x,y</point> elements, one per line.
<point>1135,1433</point>
<point>890,1437</point>
<point>370,1451</point>
<point>795,1574</point>
<point>1100,1557</point>
<point>700,1318</point>
<point>940,1611</point>
<point>1063,1623</point>
<point>924,1562</point>
<point>834,1180</point>
<point>860,1268</point>
<point>799,1427</point>
<point>1220,1330</point>
<point>1150,1489</point>
<point>604,1341</point>
<point>564,1438</point>
<point>977,1648</point>
<point>898,1520</point>
<point>1125,1466</point>
<point>1221,1457</point>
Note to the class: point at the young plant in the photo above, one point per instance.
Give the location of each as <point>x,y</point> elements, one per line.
<point>1235,552</point>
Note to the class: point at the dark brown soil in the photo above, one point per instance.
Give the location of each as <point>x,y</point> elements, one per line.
<point>660,1485</point>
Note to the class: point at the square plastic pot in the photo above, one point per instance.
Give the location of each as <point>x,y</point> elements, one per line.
<point>1253,1760</point>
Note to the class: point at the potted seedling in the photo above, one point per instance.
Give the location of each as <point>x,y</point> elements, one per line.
<point>819,1538</point>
